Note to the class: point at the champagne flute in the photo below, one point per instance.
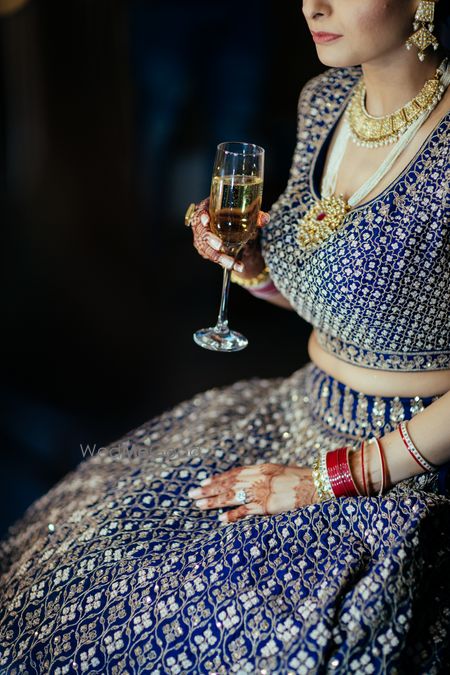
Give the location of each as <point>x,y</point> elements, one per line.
<point>235,201</point>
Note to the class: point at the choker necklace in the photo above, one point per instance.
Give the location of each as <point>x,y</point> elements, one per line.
<point>328,213</point>
<point>372,132</point>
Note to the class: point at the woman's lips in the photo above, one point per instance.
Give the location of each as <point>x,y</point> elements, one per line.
<point>324,37</point>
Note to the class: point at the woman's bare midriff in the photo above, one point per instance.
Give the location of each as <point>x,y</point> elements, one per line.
<point>379,382</point>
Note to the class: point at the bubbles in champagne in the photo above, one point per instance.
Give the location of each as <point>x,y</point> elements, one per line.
<point>234,206</point>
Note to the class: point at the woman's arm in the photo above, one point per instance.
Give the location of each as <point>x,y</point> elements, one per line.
<point>429,431</point>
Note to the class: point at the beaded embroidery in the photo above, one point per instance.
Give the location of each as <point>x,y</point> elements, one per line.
<point>378,289</point>
<point>374,415</point>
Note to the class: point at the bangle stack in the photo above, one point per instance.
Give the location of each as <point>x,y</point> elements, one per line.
<point>413,451</point>
<point>338,469</point>
<point>333,477</point>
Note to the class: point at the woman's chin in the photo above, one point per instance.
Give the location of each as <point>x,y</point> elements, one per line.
<point>334,60</point>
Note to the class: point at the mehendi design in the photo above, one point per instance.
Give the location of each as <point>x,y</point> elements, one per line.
<point>223,488</point>
<point>305,491</point>
<point>250,254</point>
<point>200,233</point>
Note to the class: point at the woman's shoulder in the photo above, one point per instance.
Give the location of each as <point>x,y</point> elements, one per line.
<point>331,86</point>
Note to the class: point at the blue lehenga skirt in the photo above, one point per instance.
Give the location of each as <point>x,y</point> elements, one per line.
<point>116,571</point>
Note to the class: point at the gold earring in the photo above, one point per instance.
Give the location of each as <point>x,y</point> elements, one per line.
<point>423,37</point>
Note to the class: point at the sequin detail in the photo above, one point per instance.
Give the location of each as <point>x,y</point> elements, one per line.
<point>357,414</point>
<point>378,288</point>
<point>115,571</point>
<point>367,358</point>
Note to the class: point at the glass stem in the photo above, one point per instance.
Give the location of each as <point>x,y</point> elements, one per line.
<point>222,320</point>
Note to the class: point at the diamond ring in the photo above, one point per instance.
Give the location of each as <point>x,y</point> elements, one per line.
<point>241,496</point>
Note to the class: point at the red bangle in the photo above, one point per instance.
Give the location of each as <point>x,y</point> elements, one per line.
<point>339,473</point>
<point>332,464</point>
<point>339,483</point>
<point>354,487</point>
<point>362,469</point>
<point>345,471</point>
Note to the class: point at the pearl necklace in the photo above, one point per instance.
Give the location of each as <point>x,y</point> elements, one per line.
<point>328,213</point>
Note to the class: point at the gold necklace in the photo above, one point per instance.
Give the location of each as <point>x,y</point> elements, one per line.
<point>328,213</point>
<point>321,220</point>
<point>372,132</point>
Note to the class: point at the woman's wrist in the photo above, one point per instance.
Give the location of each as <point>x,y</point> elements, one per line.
<point>372,469</point>
<point>398,462</point>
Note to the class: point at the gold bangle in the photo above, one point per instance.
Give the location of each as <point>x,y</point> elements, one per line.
<point>323,491</point>
<point>253,281</point>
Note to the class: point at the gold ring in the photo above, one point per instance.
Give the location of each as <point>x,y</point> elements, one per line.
<point>190,210</point>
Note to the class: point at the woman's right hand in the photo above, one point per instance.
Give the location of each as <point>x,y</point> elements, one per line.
<point>210,246</point>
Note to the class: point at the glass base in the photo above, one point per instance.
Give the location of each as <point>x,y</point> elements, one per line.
<point>226,341</point>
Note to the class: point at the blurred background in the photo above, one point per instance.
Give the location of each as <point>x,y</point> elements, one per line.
<point>110,113</point>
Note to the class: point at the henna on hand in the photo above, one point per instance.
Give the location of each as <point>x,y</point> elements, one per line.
<point>264,489</point>
<point>211,248</point>
<point>305,492</point>
<point>271,488</point>
<point>201,232</point>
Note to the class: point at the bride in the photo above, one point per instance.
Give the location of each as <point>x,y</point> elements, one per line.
<point>299,524</point>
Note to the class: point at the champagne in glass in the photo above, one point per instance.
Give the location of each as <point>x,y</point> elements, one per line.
<point>235,201</point>
<point>234,206</point>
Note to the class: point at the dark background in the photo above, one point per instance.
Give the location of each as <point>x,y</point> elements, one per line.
<point>110,115</point>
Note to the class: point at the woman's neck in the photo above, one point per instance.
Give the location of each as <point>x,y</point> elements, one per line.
<point>392,82</point>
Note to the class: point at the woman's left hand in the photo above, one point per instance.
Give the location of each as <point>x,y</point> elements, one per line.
<point>270,489</point>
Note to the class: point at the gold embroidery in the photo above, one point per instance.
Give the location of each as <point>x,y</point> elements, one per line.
<point>322,219</point>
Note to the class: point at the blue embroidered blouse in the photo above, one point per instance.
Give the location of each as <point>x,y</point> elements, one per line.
<point>378,289</point>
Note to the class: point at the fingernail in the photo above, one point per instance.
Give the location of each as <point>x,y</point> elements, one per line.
<point>222,517</point>
<point>239,267</point>
<point>214,242</point>
<point>226,262</point>
<point>266,217</point>
<point>206,481</point>
<point>204,218</point>
<point>194,493</point>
